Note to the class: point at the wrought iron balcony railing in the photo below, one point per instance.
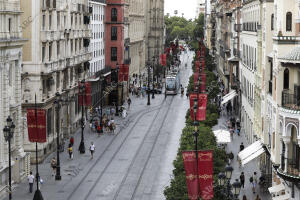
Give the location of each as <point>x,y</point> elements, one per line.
<point>290,100</point>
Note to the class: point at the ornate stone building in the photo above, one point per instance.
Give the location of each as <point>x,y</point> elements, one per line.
<point>55,59</point>
<point>11,42</point>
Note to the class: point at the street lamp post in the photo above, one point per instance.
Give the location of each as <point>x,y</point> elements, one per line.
<point>153,67</point>
<point>8,135</point>
<point>232,190</point>
<point>148,103</point>
<point>117,81</point>
<point>82,91</point>
<point>57,108</point>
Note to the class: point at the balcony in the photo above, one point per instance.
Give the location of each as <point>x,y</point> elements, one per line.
<point>290,100</point>
<point>291,173</point>
<point>287,38</point>
<point>270,87</point>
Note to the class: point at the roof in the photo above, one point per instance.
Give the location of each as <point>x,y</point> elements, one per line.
<point>292,57</point>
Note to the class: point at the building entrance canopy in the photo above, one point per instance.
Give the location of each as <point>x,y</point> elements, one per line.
<point>223,136</point>
<point>251,152</point>
<point>228,97</point>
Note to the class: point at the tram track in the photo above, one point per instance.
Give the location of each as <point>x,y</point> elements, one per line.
<point>132,117</point>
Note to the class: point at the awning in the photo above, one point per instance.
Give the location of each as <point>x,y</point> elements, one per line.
<point>251,152</point>
<point>108,73</point>
<point>276,188</point>
<point>228,97</point>
<point>282,197</point>
<point>233,59</point>
<point>223,136</point>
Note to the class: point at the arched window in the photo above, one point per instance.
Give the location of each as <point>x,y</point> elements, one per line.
<point>272,22</point>
<point>114,15</point>
<point>286,79</point>
<point>289,21</point>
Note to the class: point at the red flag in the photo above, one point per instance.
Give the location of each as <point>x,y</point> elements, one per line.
<point>190,166</point>
<point>201,111</point>
<point>36,128</point>
<point>205,173</point>
<point>87,96</point>
<point>123,72</point>
<point>163,59</point>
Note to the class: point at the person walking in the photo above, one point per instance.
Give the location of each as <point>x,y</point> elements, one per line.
<point>252,184</point>
<point>128,102</point>
<point>70,150</point>
<point>30,181</point>
<point>72,141</point>
<point>242,179</point>
<point>254,181</point>
<point>99,129</point>
<point>92,150</point>
<point>242,147</point>
<point>257,197</point>
<point>244,197</point>
<point>53,165</point>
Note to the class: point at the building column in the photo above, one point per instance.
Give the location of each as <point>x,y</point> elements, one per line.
<point>286,153</point>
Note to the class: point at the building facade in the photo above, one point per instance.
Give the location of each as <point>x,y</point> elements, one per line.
<point>11,42</point>
<point>97,47</point>
<point>200,7</point>
<point>55,59</point>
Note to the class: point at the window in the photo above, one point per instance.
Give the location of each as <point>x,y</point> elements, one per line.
<point>44,22</point>
<point>286,79</point>
<point>114,33</point>
<point>289,21</point>
<point>114,15</point>
<point>49,121</point>
<point>50,19</point>
<point>272,22</point>
<point>65,20</point>
<point>58,20</point>
<point>50,51</point>
<point>10,74</point>
<point>43,52</point>
<point>58,48</point>
<point>9,25</point>
<point>57,80</point>
<point>114,54</point>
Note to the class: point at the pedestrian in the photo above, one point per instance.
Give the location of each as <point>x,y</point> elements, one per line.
<point>230,157</point>
<point>244,197</point>
<point>70,150</point>
<point>92,150</point>
<point>99,129</point>
<point>242,147</point>
<point>72,140</point>
<point>128,102</point>
<point>242,179</point>
<point>237,131</point>
<point>252,184</point>
<point>257,197</point>
<point>254,181</point>
<point>53,165</point>
<point>30,181</point>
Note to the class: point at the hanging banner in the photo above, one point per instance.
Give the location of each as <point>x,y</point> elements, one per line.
<point>86,98</point>
<point>197,66</point>
<point>196,76</point>
<point>192,97</point>
<point>201,111</point>
<point>198,54</point>
<point>123,72</point>
<point>203,83</point>
<point>36,128</point>
<point>163,59</point>
<point>190,166</point>
<point>202,64</point>
<point>205,173</point>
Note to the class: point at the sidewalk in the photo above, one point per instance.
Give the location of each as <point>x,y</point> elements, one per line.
<point>81,162</point>
<point>248,169</point>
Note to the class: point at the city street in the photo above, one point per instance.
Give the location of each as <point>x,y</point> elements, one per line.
<point>134,163</point>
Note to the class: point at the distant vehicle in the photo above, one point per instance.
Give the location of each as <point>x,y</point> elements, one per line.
<point>172,84</point>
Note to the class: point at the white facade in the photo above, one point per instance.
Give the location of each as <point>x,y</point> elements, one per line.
<point>200,7</point>
<point>11,43</point>
<point>248,64</point>
<point>97,46</point>
<point>55,60</point>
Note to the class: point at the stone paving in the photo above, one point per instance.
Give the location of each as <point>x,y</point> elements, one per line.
<point>248,169</point>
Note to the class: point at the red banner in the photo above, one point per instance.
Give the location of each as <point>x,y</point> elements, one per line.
<point>190,166</point>
<point>36,128</point>
<point>202,65</point>
<point>123,72</point>
<point>163,59</point>
<point>196,76</point>
<point>87,96</point>
<point>167,50</point>
<point>203,83</point>
<point>198,54</point>
<point>201,111</point>
<point>205,173</point>
<point>197,66</point>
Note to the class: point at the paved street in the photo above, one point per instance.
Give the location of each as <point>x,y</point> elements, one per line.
<point>134,163</point>
<point>248,169</point>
